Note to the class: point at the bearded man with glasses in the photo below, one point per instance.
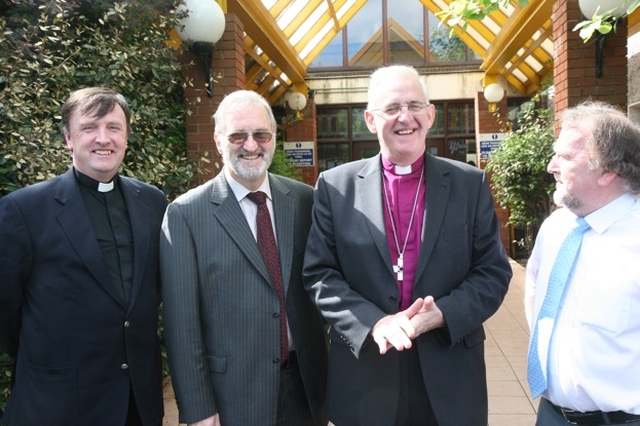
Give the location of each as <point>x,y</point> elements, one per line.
<point>405,263</point>
<point>245,344</point>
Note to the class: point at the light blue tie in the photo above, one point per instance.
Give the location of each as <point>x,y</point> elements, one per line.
<point>557,281</point>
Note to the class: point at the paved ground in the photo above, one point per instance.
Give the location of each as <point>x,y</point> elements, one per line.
<point>506,356</point>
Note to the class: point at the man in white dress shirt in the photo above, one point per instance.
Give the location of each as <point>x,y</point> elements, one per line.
<point>592,368</point>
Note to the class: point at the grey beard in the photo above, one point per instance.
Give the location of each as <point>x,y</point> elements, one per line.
<point>565,199</point>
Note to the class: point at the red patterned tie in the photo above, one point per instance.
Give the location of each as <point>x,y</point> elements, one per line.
<point>269,251</point>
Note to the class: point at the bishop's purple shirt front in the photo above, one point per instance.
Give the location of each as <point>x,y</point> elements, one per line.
<point>401,189</point>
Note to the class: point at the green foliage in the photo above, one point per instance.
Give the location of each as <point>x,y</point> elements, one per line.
<point>282,165</point>
<point>445,47</point>
<point>61,46</point>
<point>460,12</point>
<point>519,176</point>
<point>49,48</point>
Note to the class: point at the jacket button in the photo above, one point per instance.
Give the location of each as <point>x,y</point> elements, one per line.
<point>276,314</point>
<point>124,366</point>
<point>393,299</point>
<point>127,324</point>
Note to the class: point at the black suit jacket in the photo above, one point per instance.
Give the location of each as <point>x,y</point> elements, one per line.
<point>78,348</point>
<point>348,273</point>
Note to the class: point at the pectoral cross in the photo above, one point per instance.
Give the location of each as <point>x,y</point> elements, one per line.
<point>398,267</point>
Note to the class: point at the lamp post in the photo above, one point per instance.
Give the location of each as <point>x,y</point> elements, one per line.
<point>297,101</point>
<point>493,93</point>
<point>201,29</point>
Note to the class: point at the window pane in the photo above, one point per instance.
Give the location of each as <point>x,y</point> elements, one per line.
<point>435,147</point>
<point>365,149</point>
<point>332,124</point>
<point>471,152</point>
<point>405,27</point>
<point>441,46</point>
<point>437,129</point>
<point>364,35</point>
<point>331,55</point>
<point>457,149</point>
<point>359,126</point>
<point>460,119</point>
<point>332,154</point>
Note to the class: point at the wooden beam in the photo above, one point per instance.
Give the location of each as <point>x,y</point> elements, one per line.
<point>332,12</point>
<point>259,24</point>
<point>523,23</point>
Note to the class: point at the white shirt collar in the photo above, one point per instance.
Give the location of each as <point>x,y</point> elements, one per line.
<point>240,191</point>
<point>608,214</point>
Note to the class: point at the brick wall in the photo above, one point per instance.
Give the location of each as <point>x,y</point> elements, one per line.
<point>305,130</point>
<point>575,61</point>
<point>228,76</point>
<point>493,122</point>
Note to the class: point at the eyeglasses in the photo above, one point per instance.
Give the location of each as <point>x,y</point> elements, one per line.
<point>260,136</point>
<point>392,110</point>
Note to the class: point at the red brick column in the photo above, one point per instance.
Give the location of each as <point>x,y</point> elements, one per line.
<point>575,61</point>
<point>228,75</point>
<point>305,130</point>
<point>493,122</point>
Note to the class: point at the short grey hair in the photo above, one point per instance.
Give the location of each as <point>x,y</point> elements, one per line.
<point>236,100</point>
<point>381,75</point>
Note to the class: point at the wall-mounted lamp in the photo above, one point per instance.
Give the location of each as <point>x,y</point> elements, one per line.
<point>201,30</point>
<point>297,101</point>
<point>590,8</point>
<point>493,93</point>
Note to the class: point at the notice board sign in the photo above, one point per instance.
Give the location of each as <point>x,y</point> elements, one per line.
<point>300,153</point>
<point>489,142</point>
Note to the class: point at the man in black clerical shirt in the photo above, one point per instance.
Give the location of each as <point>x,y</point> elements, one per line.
<point>79,287</point>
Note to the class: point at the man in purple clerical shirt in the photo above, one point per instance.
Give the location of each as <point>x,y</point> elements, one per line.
<point>404,261</point>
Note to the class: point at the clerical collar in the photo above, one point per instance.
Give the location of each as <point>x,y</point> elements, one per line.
<point>93,184</point>
<point>402,170</point>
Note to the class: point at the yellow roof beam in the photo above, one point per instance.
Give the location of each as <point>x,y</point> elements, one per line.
<point>301,17</point>
<point>261,66</point>
<point>498,18</point>
<point>334,17</point>
<point>488,79</point>
<point>346,17</point>
<point>259,24</point>
<point>316,27</point>
<point>517,31</point>
<point>535,52</point>
<point>279,7</point>
<point>504,39</point>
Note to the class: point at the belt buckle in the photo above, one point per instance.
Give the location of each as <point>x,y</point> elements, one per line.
<point>564,412</point>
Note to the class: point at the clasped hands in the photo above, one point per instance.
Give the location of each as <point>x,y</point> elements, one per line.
<point>398,330</point>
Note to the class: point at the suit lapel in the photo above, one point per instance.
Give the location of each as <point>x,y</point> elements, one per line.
<point>368,198</point>
<point>74,220</point>
<point>227,213</point>
<point>438,187</point>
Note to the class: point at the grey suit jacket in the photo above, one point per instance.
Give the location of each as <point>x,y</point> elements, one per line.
<point>221,328</point>
<point>348,274</point>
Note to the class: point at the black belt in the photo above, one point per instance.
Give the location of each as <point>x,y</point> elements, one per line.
<point>596,418</point>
